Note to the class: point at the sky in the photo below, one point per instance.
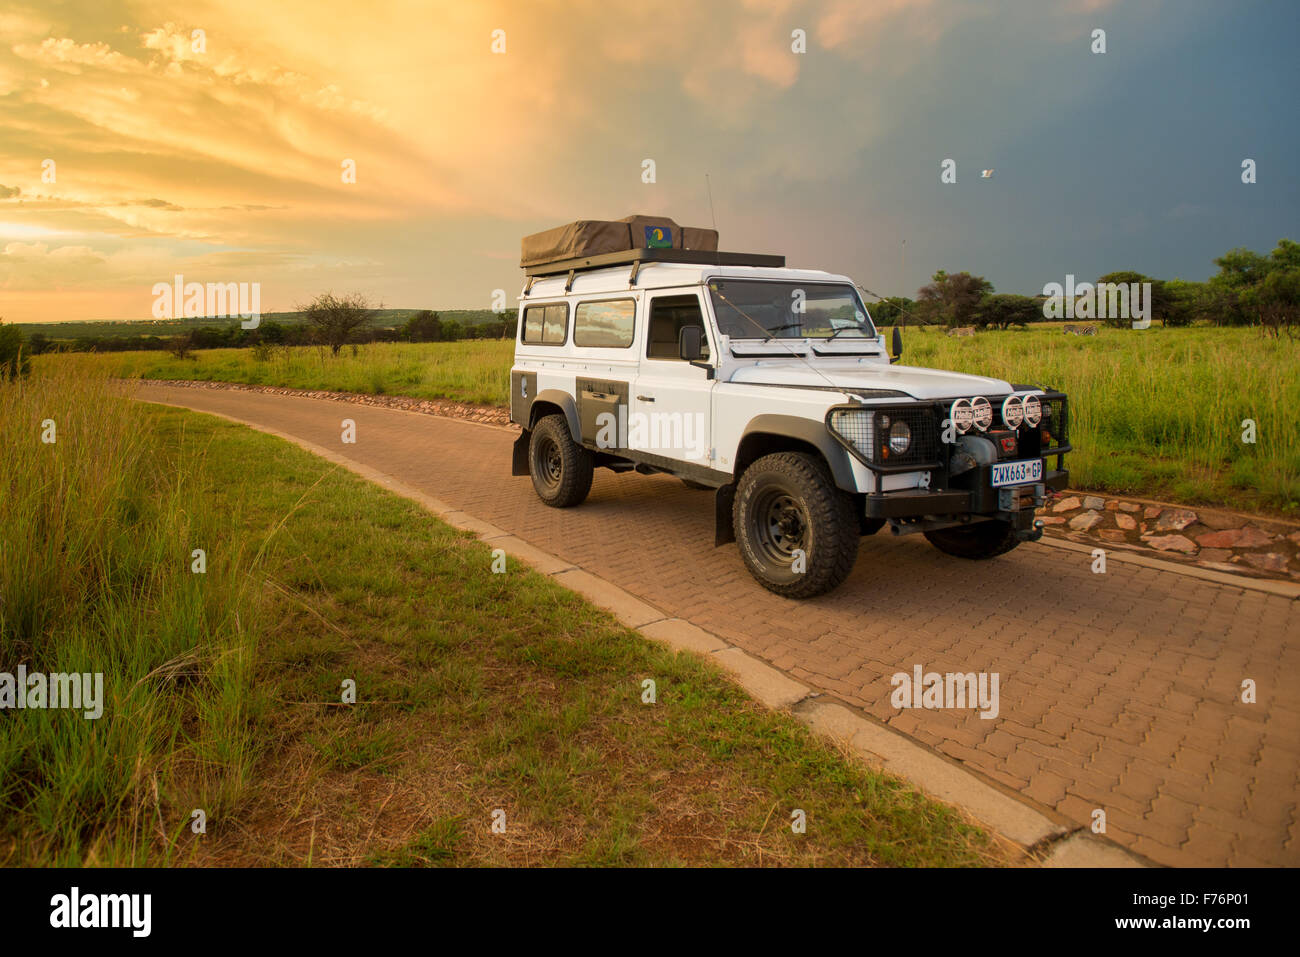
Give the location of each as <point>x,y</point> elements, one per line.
<point>219,155</point>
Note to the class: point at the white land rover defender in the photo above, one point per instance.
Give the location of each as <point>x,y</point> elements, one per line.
<point>640,347</point>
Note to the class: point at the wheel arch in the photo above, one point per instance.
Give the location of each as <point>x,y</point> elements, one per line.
<point>770,433</point>
<point>552,401</point>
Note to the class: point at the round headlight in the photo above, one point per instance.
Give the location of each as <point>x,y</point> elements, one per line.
<point>981,413</point>
<point>900,437</point>
<point>1013,411</point>
<point>960,413</point>
<point>1033,410</point>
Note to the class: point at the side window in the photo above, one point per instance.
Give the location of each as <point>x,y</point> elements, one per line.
<point>668,316</point>
<point>606,325</point>
<point>544,324</point>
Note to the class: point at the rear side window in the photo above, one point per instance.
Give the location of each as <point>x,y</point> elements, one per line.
<point>544,325</point>
<point>606,325</point>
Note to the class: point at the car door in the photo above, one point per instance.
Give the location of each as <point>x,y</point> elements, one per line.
<point>671,405</point>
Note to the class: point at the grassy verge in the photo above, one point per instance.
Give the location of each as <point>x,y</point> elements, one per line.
<point>475,370</point>
<point>475,691</point>
<point>1156,413</point>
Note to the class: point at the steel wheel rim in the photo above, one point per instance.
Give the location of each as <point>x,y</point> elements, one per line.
<point>780,525</point>
<point>548,464</point>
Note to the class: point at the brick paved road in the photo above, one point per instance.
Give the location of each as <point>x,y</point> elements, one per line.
<point>1118,691</point>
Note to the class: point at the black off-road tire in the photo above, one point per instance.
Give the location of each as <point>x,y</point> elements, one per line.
<point>976,542</point>
<point>787,501</point>
<point>561,469</point>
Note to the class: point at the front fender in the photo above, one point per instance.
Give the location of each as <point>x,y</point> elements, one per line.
<point>814,433</point>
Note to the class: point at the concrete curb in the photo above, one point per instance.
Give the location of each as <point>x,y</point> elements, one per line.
<point>1044,839</point>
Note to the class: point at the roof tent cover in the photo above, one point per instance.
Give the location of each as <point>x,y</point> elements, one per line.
<point>592,237</point>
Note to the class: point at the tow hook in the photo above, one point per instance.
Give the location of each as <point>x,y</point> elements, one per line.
<point>1032,534</point>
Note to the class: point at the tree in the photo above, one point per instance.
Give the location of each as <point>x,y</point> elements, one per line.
<point>1277,299</point>
<point>953,299</point>
<point>1003,310</point>
<point>1245,292</point>
<point>892,311</point>
<point>182,346</point>
<point>424,326</point>
<point>333,319</point>
<point>38,343</point>
<point>14,360</point>
<point>1159,303</point>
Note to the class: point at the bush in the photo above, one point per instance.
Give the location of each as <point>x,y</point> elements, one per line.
<point>14,359</point>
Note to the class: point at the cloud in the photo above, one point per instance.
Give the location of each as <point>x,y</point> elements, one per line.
<point>67,54</point>
<point>8,192</point>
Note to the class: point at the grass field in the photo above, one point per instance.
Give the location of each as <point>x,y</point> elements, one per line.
<point>1156,413</point>
<point>475,691</point>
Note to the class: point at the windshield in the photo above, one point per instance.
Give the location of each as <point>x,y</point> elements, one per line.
<point>762,309</point>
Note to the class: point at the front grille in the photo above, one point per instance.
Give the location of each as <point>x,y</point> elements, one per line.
<point>866,431</point>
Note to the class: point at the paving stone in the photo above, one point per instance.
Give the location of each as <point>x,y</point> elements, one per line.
<point>1248,537</point>
<point>1267,561</point>
<point>1206,555</point>
<point>1129,507</point>
<point>1112,534</point>
<point>1172,543</point>
<point>1085,521</point>
<point>1052,520</point>
<point>1094,503</point>
<point>1067,504</point>
<point>1220,520</point>
<point>1125,521</point>
<point>1175,520</point>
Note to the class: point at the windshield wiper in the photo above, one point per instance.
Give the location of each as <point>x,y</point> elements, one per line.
<point>771,333</point>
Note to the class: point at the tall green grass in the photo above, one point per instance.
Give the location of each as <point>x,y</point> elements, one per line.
<point>476,370</point>
<point>1156,412</point>
<point>96,534</point>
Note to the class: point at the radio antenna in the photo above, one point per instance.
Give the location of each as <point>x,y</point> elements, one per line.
<point>713,216</point>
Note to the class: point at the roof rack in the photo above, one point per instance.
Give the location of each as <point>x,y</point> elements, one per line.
<point>635,257</point>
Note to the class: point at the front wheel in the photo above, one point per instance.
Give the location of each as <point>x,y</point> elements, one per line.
<point>977,542</point>
<point>797,532</point>
<point>561,469</point>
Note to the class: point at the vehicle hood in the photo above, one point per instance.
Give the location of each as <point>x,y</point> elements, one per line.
<point>914,381</point>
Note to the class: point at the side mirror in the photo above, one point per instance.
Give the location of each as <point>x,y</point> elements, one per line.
<point>898,345</point>
<point>690,343</point>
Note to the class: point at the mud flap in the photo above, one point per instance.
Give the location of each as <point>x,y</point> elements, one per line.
<point>723,501</point>
<point>519,460</point>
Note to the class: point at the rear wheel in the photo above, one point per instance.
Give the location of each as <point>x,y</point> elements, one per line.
<point>977,542</point>
<point>561,469</point>
<point>797,532</point>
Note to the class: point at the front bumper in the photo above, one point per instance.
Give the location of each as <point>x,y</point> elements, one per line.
<point>981,499</point>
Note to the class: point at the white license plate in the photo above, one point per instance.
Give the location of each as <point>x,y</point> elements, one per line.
<point>1017,473</point>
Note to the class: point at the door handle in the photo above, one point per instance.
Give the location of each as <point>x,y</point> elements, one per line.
<point>645,398</point>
